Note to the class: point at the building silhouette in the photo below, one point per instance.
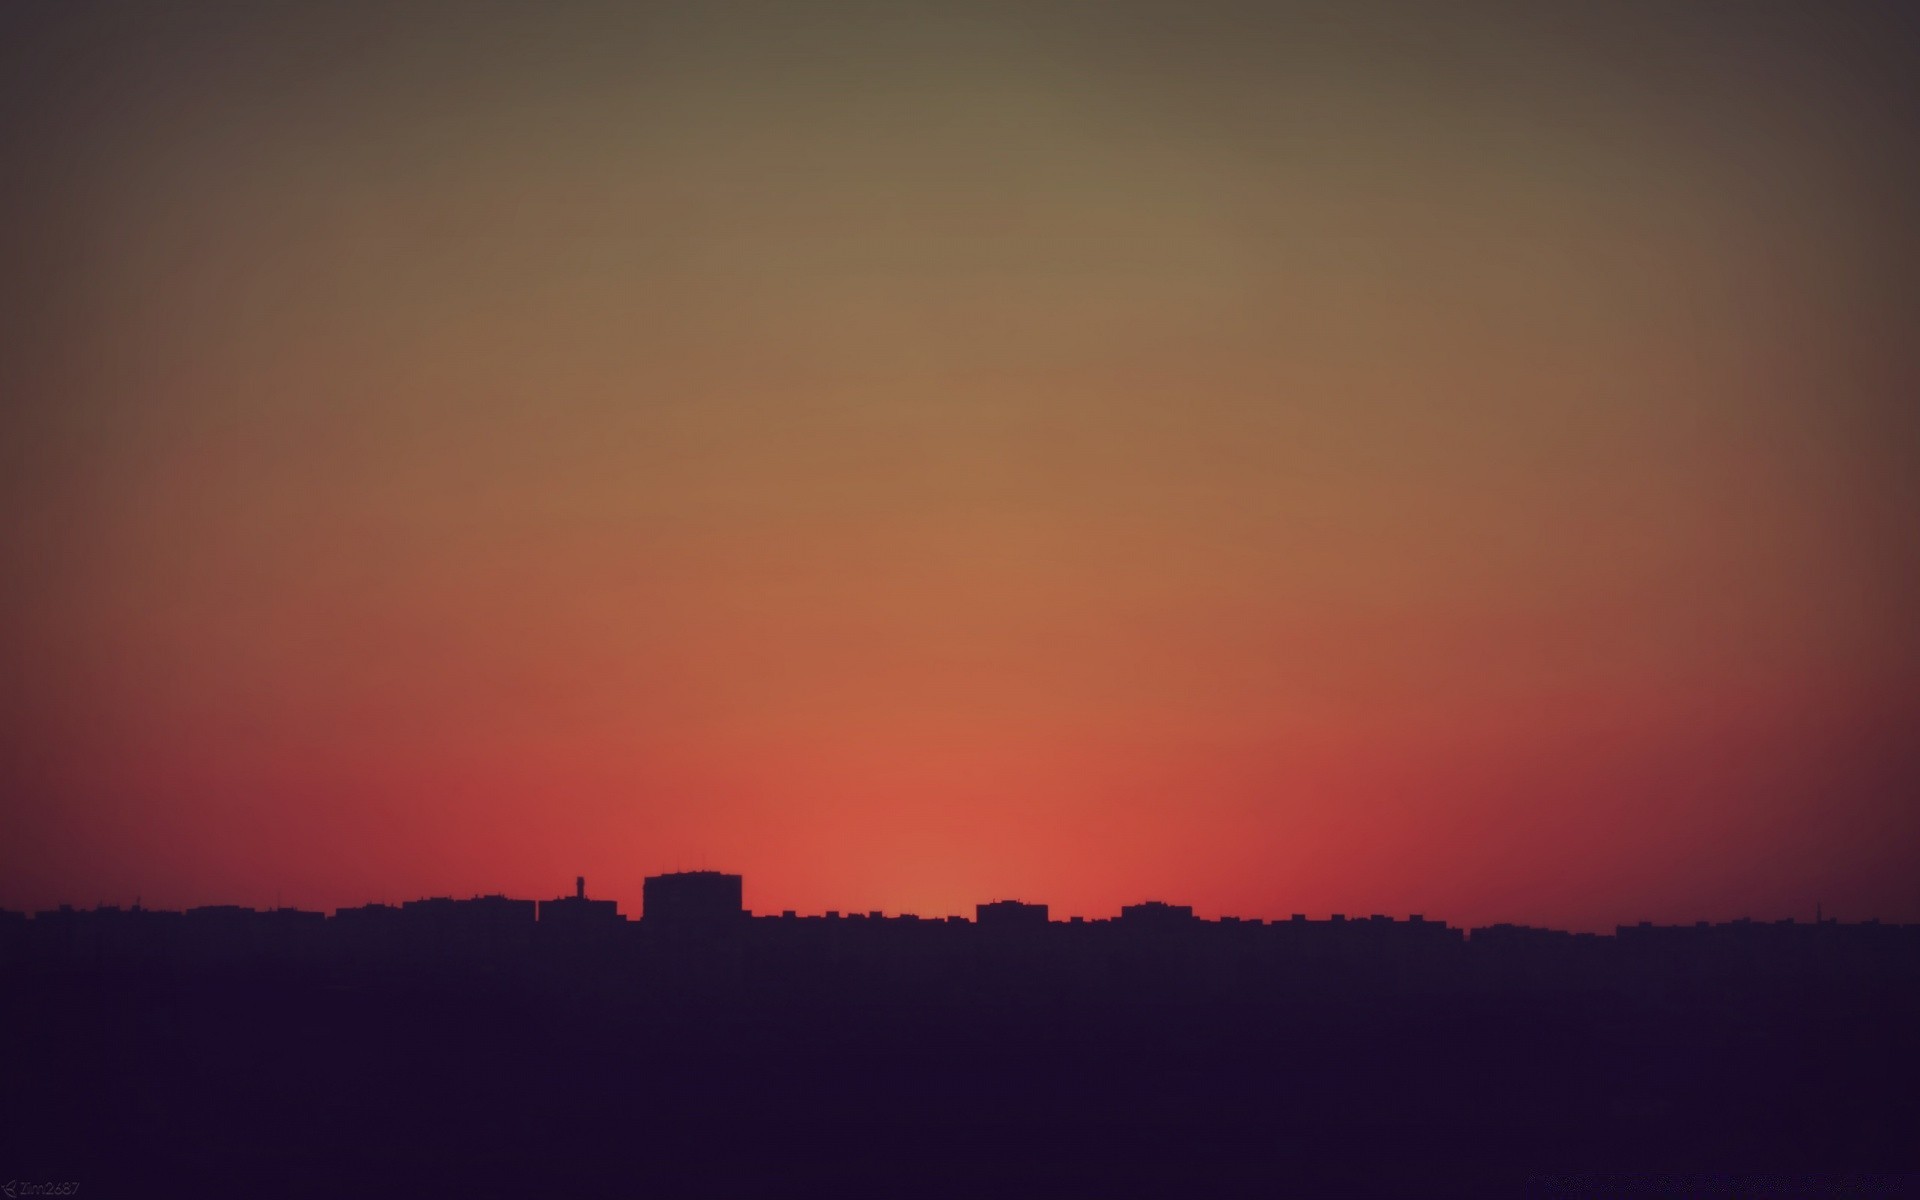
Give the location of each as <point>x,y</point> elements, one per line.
<point>479,927</point>
<point>692,900</point>
<point>1153,914</point>
<point>1010,914</point>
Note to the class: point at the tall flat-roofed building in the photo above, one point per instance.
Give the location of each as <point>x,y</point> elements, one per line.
<point>692,899</point>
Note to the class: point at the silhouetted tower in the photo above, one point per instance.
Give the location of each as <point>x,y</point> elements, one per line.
<point>575,915</point>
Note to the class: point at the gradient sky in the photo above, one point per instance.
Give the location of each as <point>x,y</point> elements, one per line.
<point>1458,459</point>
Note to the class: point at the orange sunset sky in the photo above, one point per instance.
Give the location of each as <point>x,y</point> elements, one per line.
<point>1458,459</point>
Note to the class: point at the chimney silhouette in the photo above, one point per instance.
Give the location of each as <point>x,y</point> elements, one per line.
<point>579,887</point>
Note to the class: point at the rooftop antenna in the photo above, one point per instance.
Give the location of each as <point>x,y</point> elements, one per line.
<point>579,887</point>
<point>1817,911</point>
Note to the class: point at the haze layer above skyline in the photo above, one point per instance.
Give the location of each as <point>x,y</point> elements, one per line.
<point>1274,458</point>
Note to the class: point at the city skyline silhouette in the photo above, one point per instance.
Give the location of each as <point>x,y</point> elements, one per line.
<point>700,1048</point>
<point>1142,909</point>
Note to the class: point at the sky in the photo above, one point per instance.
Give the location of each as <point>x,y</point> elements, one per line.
<point>1342,457</point>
